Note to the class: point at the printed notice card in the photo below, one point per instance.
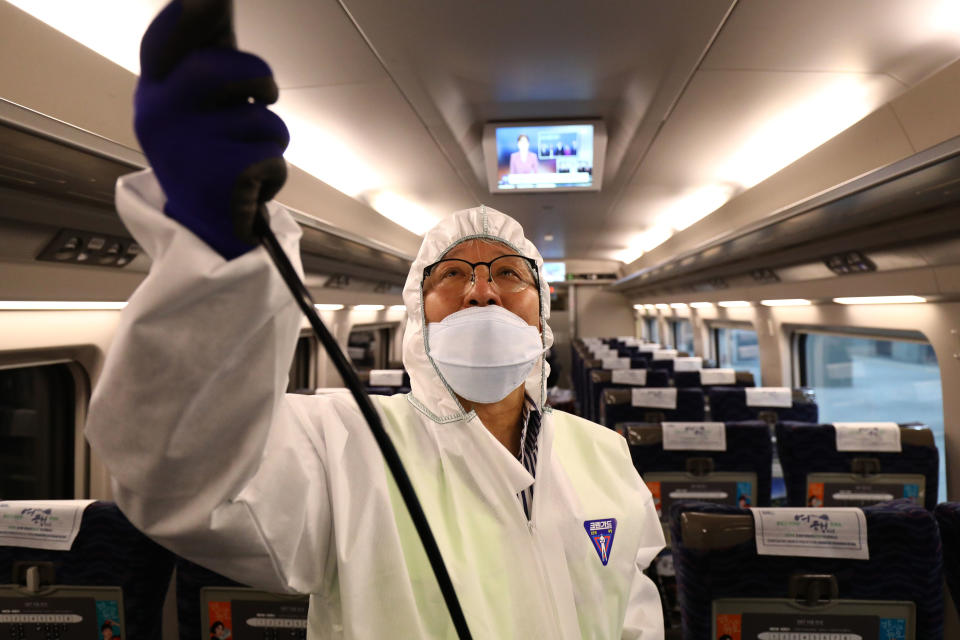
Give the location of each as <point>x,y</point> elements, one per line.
<point>838,532</point>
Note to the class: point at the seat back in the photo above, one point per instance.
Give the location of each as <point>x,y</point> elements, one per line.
<point>807,449</point>
<point>948,518</point>
<point>386,382</point>
<point>707,378</point>
<point>191,578</point>
<point>206,600</point>
<point>601,379</point>
<point>736,404</point>
<point>108,552</point>
<point>651,405</point>
<point>749,450</point>
<point>715,556</point>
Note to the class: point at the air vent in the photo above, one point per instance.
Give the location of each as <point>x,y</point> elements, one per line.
<point>89,248</point>
<point>764,276</point>
<point>718,283</point>
<point>849,262</point>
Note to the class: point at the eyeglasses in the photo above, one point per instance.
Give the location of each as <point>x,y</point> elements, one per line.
<point>454,277</point>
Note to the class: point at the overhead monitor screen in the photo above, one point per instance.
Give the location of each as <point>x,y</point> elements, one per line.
<point>544,156</point>
<point>555,271</point>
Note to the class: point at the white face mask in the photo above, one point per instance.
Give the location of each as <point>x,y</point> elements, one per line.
<point>484,353</point>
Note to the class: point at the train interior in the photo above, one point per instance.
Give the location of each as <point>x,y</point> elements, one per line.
<point>769,240</point>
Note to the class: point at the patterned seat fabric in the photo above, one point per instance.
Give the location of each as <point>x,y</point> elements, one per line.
<point>654,379</point>
<point>905,564</point>
<point>110,552</point>
<point>692,379</point>
<point>749,449</point>
<point>662,365</point>
<point>811,448</point>
<point>948,517</point>
<point>190,579</point>
<point>640,360</point>
<point>689,408</point>
<point>729,404</point>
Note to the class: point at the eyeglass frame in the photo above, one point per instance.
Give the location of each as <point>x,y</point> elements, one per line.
<point>473,269</point>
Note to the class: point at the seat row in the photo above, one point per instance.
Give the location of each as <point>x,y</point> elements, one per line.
<point>727,580</point>
<point>874,573</point>
<point>596,368</point>
<point>729,465</point>
<point>112,580</point>
<point>823,465</point>
<point>385,382</point>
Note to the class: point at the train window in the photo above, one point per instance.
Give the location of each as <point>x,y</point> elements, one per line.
<point>37,414</point>
<point>301,369</point>
<point>738,349</point>
<point>682,335</point>
<point>369,347</point>
<point>650,329</point>
<point>866,379</point>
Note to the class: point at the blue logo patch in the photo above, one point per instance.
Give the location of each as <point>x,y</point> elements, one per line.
<point>601,535</point>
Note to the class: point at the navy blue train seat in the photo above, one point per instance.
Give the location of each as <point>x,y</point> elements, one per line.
<point>817,474</point>
<point>740,472</point>
<point>387,382</point>
<point>707,378</point>
<point>717,564</point>
<point>191,578</point>
<point>601,379</point>
<point>650,404</point>
<point>194,615</point>
<point>770,404</point>
<point>948,517</point>
<point>107,552</point>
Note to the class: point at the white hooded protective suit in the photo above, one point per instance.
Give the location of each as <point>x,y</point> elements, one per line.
<point>211,458</point>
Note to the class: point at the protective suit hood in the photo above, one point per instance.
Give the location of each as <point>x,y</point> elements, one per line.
<point>430,392</point>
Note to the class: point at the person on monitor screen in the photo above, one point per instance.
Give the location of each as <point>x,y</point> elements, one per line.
<point>522,161</point>
<point>540,516</point>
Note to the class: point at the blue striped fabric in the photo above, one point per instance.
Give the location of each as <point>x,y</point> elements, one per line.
<point>529,444</point>
<point>109,551</point>
<point>905,564</point>
<point>948,517</point>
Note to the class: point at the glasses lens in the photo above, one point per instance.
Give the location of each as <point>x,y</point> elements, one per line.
<point>450,276</point>
<point>511,274</point>
<point>454,277</point>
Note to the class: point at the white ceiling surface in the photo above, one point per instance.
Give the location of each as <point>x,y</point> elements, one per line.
<point>462,64</point>
<point>347,118</point>
<point>449,67</point>
<point>390,98</point>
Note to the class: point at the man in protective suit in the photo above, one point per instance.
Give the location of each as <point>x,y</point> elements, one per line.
<point>542,521</point>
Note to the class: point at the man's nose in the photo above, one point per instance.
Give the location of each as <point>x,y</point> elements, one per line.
<point>482,291</point>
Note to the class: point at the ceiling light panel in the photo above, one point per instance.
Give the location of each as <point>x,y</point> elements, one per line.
<point>728,304</point>
<point>52,305</point>
<point>881,300</point>
<point>787,302</point>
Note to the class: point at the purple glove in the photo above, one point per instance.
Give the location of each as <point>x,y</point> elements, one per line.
<point>201,117</point>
